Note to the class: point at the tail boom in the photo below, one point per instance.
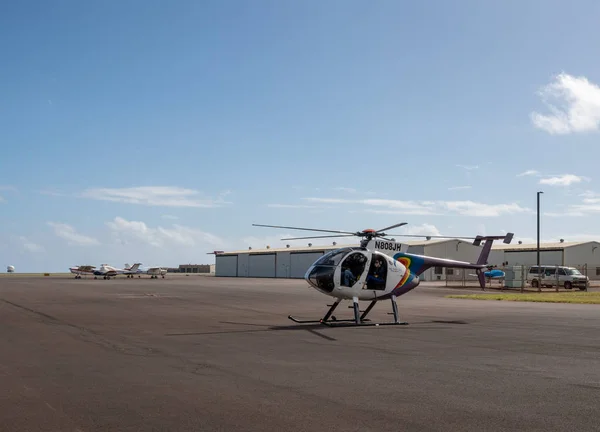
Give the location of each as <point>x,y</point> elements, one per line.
<point>417,264</point>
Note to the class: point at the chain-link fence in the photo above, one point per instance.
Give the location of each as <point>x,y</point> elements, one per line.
<point>524,278</point>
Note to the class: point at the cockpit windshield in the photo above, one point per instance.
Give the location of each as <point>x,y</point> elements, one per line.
<point>334,257</point>
<point>321,275</point>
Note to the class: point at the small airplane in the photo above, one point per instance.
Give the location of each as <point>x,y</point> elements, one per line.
<point>154,272</point>
<point>377,270</point>
<point>82,269</point>
<point>108,271</point>
<point>138,270</point>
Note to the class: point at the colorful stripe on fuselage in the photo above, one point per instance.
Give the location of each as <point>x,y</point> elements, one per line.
<point>412,263</point>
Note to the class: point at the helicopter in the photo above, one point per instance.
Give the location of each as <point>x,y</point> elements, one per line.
<point>378,269</point>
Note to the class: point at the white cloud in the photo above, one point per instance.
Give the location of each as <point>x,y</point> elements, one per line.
<point>528,173</point>
<point>469,167</point>
<point>589,205</point>
<point>167,196</point>
<point>295,206</point>
<point>566,213</point>
<point>345,189</point>
<point>562,180</point>
<point>459,187</point>
<point>30,246</point>
<point>466,208</point>
<point>125,231</point>
<point>171,217</point>
<point>393,206</point>
<point>69,233</point>
<point>51,192</point>
<point>424,229</point>
<point>471,208</point>
<point>577,108</point>
<point>6,188</point>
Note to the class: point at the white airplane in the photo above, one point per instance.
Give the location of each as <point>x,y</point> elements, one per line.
<point>83,269</point>
<point>154,272</point>
<point>131,270</point>
<point>108,271</point>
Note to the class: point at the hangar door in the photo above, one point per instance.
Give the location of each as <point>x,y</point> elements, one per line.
<point>301,261</point>
<point>261,265</point>
<point>226,266</point>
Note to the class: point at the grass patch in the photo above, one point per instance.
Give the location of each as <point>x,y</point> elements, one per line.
<point>563,297</point>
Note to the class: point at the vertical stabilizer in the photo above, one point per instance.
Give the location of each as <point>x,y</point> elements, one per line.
<point>485,253</point>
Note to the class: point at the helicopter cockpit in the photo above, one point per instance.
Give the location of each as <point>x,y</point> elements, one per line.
<point>353,262</point>
<point>322,274</point>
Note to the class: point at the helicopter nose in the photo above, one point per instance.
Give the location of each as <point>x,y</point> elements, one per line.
<point>320,277</point>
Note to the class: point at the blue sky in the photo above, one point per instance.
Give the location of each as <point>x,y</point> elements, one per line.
<point>159,131</point>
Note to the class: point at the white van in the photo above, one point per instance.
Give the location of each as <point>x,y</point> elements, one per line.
<point>567,277</point>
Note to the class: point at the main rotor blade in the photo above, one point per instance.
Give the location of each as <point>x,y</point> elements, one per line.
<point>432,236</point>
<point>393,226</point>
<point>305,229</point>
<point>316,237</point>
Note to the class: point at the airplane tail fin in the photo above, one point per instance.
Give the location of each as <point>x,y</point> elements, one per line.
<point>135,267</point>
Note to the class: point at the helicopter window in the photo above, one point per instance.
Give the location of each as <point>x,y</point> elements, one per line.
<point>322,277</point>
<point>333,258</point>
<point>377,273</point>
<point>352,268</point>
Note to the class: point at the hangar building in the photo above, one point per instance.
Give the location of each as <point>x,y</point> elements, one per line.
<point>294,262</point>
<point>573,254</point>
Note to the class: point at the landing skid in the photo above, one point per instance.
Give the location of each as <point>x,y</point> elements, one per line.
<point>359,320</point>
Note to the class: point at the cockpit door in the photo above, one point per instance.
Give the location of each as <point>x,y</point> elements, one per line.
<point>352,269</point>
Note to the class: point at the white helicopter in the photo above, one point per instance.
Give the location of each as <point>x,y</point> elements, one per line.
<point>377,270</point>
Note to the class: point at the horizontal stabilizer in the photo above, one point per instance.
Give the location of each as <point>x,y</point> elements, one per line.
<point>505,239</point>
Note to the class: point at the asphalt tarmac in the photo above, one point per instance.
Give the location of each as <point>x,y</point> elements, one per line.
<point>217,354</point>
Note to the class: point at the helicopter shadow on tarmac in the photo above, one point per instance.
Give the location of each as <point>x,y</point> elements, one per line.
<point>311,328</point>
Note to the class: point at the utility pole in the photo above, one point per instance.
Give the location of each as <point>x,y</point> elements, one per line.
<point>538,229</point>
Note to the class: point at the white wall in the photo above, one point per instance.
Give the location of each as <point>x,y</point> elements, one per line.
<point>453,249</point>
<point>496,257</point>
<point>529,258</point>
<point>587,253</point>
